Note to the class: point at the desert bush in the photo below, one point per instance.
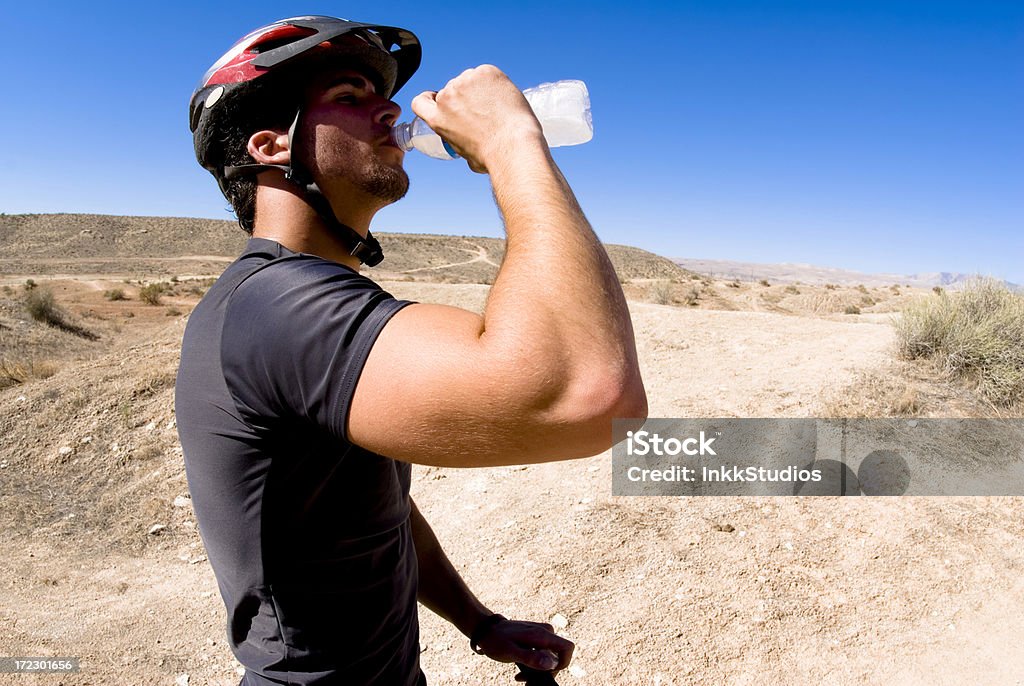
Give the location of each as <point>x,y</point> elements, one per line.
<point>692,295</point>
<point>764,282</point>
<point>660,292</point>
<point>150,293</point>
<point>851,309</point>
<point>733,284</point>
<point>976,334</point>
<point>30,284</point>
<point>8,290</point>
<point>937,290</point>
<point>862,288</point>
<point>42,306</point>
<point>793,290</point>
<point>172,312</point>
<point>115,294</point>
<point>830,286</point>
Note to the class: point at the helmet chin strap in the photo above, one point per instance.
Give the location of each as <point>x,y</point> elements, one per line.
<point>366,250</point>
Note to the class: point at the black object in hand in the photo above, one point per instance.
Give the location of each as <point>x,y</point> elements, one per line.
<point>535,677</point>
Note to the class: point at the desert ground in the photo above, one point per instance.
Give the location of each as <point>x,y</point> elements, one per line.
<point>103,560</point>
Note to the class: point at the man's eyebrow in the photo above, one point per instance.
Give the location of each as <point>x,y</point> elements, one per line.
<point>349,80</point>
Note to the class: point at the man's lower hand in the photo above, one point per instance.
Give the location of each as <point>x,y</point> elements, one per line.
<point>533,644</point>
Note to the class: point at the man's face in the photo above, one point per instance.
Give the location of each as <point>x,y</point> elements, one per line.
<point>346,141</point>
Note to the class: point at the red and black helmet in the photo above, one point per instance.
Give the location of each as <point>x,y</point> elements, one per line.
<point>390,54</point>
<point>393,54</point>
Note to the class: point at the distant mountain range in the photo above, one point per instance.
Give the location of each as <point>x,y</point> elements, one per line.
<point>814,275</point>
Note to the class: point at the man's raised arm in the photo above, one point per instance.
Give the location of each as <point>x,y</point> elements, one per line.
<point>552,360</point>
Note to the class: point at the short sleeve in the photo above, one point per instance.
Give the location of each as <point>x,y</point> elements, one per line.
<point>296,335</point>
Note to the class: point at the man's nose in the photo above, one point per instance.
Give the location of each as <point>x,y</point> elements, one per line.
<point>388,113</point>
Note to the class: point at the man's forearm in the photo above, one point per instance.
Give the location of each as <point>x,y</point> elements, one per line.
<point>557,289</point>
<point>441,588</point>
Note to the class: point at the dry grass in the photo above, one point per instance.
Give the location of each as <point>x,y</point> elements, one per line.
<point>876,394</point>
<point>909,389</point>
<point>15,372</point>
<point>974,335</point>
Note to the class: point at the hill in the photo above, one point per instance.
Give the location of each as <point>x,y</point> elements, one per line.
<point>79,244</point>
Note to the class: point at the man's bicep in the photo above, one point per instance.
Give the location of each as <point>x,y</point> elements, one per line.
<point>427,387</point>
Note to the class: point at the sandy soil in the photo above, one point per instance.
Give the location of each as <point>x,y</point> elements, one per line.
<point>652,590</point>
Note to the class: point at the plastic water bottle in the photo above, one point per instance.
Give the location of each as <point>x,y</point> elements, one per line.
<point>562,107</point>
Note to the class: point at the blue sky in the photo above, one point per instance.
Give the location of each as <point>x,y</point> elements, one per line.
<point>877,136</point>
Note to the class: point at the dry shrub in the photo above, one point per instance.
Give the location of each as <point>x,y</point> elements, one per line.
<point>660,293</point>
<point>42,306</point>
<point>115,294</point>
<point>851,309</point>
<point>150,293</point>
<point>976,334</point>
<point>692,295</point>
<point>824,303</point>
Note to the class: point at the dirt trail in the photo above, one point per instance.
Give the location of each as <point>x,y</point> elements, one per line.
<point>481,255</point>
<point>653,590</point>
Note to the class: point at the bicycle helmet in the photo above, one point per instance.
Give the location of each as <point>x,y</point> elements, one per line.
<point>390,54</point>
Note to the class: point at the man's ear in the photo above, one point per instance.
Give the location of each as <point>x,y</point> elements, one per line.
<point>269,147</point>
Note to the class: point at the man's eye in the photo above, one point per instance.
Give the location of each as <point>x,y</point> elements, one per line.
<point>346,98</point>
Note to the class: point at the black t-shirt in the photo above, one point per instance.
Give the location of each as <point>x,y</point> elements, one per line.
<point>307,533</point>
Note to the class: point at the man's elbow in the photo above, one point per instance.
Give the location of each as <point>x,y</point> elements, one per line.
<point>622,398</point>
<point>601,402</point>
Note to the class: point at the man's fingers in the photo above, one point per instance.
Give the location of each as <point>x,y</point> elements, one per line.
<point>544,636</point>
<point>547,647</point>
<point>535,677</point>
<point>424,105</point>
<point>540,660</point>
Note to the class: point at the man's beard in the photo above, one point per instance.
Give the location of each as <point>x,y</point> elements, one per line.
<point>365,170</point>
<point>390,184</point>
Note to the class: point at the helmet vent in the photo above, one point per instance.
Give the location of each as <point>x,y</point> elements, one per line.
<point>283,36</point>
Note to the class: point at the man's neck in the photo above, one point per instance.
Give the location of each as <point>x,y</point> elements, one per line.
<point>282,215</point>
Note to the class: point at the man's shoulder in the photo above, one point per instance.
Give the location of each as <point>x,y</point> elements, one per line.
<point>267,269</point>
<point>266,265</point>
